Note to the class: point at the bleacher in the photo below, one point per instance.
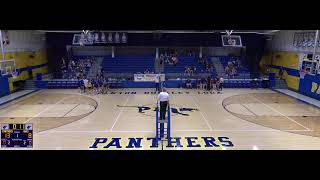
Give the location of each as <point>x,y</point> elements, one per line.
<point>68,74</point>
<point>186,61</point>
<point>128,64</point>
<point>136,64</point>
<point>224,61</point>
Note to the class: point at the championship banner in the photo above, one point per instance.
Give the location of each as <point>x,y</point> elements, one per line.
<point>147,77</point>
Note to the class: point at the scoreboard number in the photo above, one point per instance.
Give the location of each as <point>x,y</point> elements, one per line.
<point>17,135</point>
<point>7,135</point>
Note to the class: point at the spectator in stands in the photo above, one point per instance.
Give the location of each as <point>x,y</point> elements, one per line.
<point>97,77</point>
<point>85,82</point>
<point>105,85</point>
<point>203,83</point>
<point>73,63</point>
<point>209,68</point>
<point>146,71</point>
<point>100,86</point>
<point>187,71</point>
<point>212,84</point>
<point>89,91</point>
<point>95,86</point>
<point>218,83</point>
<point>101,76</point>
<point>209,85</point>
<point>175,60</point>
<point>193,69</point>
<point>188,84</point>
<point>166,58</point>
<point>234,72</point>
<point>227,72</point>
<point>198,82</point>
<point>221,81</point>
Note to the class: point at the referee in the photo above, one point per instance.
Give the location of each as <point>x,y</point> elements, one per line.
<point>163,98</point>
<point>158,81</point>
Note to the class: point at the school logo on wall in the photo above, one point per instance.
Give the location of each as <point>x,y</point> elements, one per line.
<point>315,88</point>
<point>150,110</point>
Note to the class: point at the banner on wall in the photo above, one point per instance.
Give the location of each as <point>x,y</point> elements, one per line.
<point>305,39</point>
<point>147,77</point>
<point>307,65</point>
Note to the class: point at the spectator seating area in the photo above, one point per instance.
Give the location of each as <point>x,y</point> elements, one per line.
<point>62,84</point>
<point>138,64</point>
<point>241,83</point>
<point>224,61</point>
<point>128,64</point>
<point>186,61</point>
<point>82,66</point>
<point>69,84</point>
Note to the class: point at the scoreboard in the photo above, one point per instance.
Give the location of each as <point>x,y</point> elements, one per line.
<point>16,135</point>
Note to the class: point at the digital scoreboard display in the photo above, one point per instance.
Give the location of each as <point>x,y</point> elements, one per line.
<point>16,135</point>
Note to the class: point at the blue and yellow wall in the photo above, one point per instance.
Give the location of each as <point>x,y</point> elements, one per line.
<point>37,60</point>
<point>289,61</point>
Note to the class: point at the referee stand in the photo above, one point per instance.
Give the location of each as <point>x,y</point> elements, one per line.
<point>163,127</point>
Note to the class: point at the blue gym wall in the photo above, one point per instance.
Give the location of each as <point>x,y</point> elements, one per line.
<point>281,52</point>
<point>4,86</point>
<point>310,86</point>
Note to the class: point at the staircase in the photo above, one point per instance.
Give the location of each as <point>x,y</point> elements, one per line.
<point>95,68</point>
<point>280,84</point>
<point>218,66</point>
<point>30,85</point>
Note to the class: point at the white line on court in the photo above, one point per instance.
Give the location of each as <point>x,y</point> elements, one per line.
<point>239,130</point>
<point>117,118</point>
<point>216,130</point>
<point>50,106</point>
<point>280,113</point>
<point>193,98</point>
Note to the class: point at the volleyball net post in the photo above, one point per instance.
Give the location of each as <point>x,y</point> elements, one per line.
<point>163,127</point>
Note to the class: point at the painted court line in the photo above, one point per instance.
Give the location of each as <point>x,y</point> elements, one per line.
<point>249,109</point>
<point>281,113</point>
<point>193,98</point>
<point>50,106</point>
<point>117,118</point>
<point>71,110</point>
<point>217,130</point>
